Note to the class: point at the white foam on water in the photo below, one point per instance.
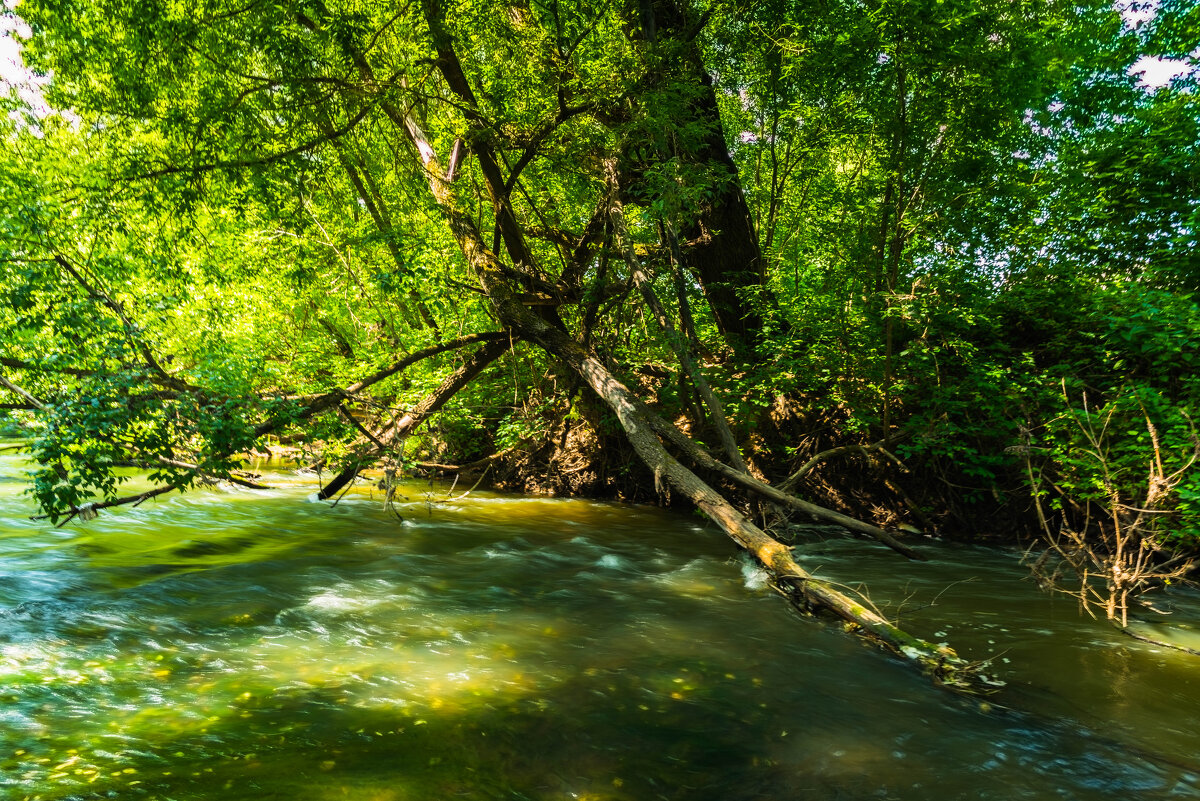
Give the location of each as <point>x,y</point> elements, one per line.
<point>753,576</point>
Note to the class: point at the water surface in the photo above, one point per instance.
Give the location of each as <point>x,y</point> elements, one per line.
<point>236,644</point>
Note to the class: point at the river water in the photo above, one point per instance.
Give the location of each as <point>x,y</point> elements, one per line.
<point>239,644</point>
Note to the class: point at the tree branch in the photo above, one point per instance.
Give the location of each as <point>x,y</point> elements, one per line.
<point>400,429</point>
<point>18,364</point>
<point>716,413</point>
<point>198,470</point>
<point>875,448</point>
<point>131,330</point>
<point>11,387</point>
<point>268,159</point>
<point>319,403</point>
<point>88,510</point>
<point>535,142</point>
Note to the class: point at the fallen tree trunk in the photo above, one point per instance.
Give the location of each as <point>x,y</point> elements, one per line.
<point>805,590</point>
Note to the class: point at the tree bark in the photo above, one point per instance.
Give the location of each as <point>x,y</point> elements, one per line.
<point>721,246</point>
<point>802,587</point>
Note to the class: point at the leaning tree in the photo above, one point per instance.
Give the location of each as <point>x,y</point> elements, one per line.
<point>420,189</point>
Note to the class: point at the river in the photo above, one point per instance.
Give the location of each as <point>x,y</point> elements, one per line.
<point>238,644</point>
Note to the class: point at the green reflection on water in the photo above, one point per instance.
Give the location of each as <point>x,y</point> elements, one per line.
<point>253,646</point>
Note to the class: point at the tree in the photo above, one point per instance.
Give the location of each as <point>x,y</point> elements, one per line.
<point>293,216</point>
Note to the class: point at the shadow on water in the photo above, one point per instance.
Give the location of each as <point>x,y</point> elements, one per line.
<point>230,646</point>
<point>628,713</point>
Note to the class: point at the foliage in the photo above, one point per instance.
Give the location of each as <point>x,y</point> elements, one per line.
<point>959,225</point>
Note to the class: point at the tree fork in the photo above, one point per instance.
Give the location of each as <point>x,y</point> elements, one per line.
<point>941,661</point>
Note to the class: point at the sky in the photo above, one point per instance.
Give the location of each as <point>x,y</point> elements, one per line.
<point>13,75</point>
<point>1154,70</point>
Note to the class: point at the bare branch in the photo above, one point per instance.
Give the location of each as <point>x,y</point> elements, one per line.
<point>316,404</point>
<point>11,387</point>
<point>88,510</point>
<point>198,470</point>
<point>875,448</point>
<point>397,430</point>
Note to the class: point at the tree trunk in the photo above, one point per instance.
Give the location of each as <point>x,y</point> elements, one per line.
<point>720,245</point>
<point>804,589</point>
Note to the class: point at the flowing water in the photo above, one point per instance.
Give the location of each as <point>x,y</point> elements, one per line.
<point>237,644</point>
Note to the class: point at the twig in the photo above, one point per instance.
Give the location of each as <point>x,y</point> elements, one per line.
<point>475,486</point>
<point>89,509</point>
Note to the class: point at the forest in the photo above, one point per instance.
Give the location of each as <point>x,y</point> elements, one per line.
<point>915,268</point>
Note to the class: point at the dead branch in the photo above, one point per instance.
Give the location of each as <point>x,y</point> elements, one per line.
<point>871,451</point>
<point>89,510</point>
<point>400,429</point>
<point>462,468</point>
<point>11,387</point>
<point>716,414</point>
